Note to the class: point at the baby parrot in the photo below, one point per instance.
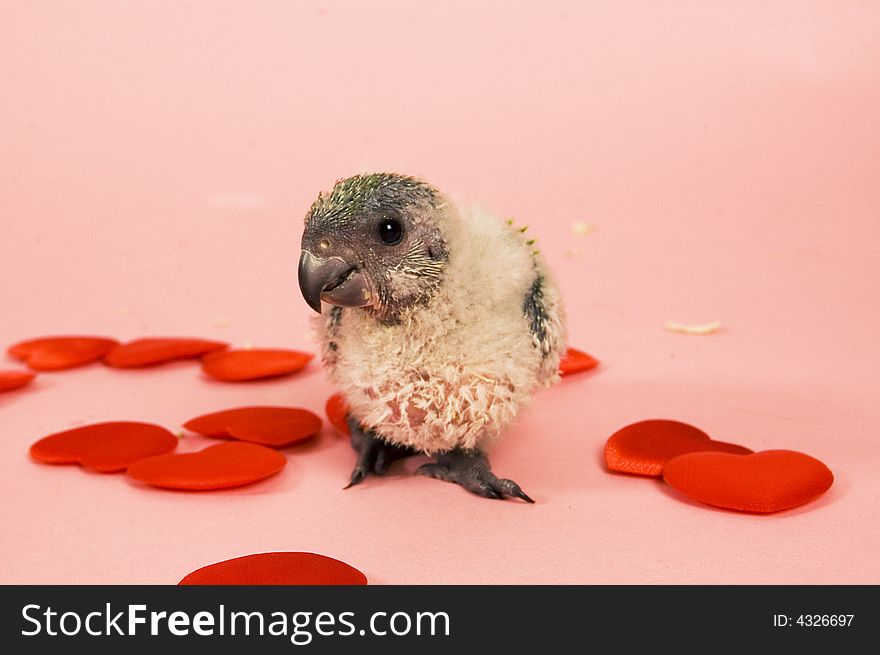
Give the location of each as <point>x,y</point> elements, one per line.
<point>439,324</point>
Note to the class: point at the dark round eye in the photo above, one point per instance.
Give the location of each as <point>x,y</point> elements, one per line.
<point>390,231</point>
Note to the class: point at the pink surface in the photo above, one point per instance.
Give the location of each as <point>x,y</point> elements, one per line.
<point>157,159</point>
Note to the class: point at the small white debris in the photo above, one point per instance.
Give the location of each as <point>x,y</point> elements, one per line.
<point>581,229</point>
<point>247,345</point>
<point>681,328</point>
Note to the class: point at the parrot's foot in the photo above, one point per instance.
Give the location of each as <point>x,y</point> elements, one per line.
<point>374,453</point>
<point>470,469</point>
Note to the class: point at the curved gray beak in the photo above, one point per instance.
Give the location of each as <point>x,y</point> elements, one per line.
<point>332,280</point>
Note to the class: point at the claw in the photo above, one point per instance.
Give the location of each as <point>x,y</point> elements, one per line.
<point>357,476</point>
<point>511,488</point>
<point>491,493</point>
<point>373,454</point>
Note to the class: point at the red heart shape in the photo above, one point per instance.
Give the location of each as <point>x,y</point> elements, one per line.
<point>764,482</point>
<point>223,466</point>
<point>152,351</point>
<point>244,365</point>
<point>575,361</point>
<point>104,447</point>
<point>277,569</point>
<point>336,410</point>
<point>269,426</point>
<point>58,353</point>
<point>10,380</point>
<point>643,448</point>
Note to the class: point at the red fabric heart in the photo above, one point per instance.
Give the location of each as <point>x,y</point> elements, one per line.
<point>153,351</point>
<point>643,448</point>
<point>104,447</point>
<point>277,569</point>
<point>10,380</point>
<point>764,482</point>
<point>269,426</point>
<point>244,365</point>
<point>336,410</point>
<point>57,353</point>
<point>223,466</point>
<point>575,361</point>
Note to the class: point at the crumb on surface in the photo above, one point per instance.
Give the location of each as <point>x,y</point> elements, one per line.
<point>681,328</point>
<point>581,228</point>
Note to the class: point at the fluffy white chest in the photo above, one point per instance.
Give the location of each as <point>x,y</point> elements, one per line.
<point>436,381</point>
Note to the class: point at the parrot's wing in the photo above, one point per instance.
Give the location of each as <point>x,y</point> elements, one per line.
<point>542,310</point>
<point>536,311</point>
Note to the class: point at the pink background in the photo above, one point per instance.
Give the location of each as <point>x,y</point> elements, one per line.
<point>158,157</point>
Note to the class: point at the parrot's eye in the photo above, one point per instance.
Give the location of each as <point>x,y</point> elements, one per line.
<point>390,231</point>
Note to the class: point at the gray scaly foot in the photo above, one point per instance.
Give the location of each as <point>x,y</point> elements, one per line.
<point>470,469</point>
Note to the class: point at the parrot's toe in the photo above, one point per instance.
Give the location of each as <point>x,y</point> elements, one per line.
<point>357,476</point>
<point>375,454</point>
<point>470,469</point>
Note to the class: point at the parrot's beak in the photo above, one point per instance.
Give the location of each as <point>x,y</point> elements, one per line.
<point>332,280</point>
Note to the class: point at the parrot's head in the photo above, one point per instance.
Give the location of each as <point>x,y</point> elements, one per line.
<point>375,241</point>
